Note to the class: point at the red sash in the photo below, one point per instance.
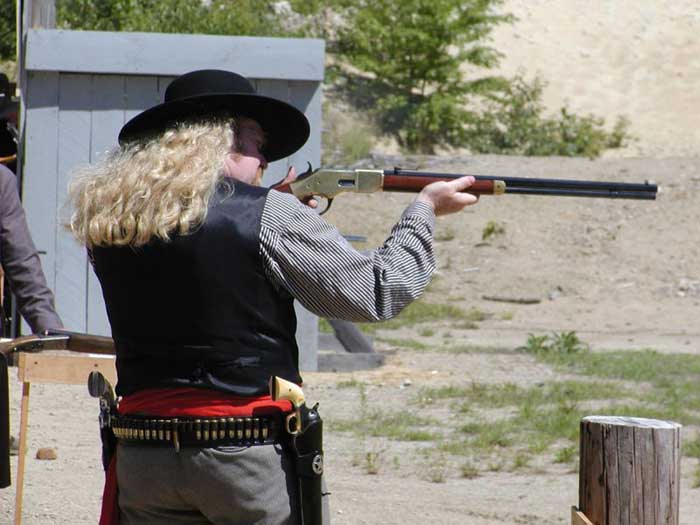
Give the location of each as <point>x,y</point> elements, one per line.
<point>180,402</point>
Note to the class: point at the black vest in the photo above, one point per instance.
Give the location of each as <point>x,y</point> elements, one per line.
<point>199,310</point>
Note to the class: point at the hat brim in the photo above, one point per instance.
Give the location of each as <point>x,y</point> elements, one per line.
<point>286,128</point>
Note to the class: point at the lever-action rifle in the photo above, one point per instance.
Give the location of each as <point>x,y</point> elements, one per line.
<point>328,183</point>
<point>50,340</point>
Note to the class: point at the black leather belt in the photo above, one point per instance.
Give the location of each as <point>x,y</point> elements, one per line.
<point>197,432</point>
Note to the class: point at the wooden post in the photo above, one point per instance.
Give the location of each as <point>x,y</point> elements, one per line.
<point>42,14</point>
<point>630,471</point>
<point>22,453</point>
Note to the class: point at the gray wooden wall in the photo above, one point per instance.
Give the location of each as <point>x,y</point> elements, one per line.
<point>82,86</point>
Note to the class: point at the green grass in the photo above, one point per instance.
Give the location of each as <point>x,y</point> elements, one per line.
<point>507,394</point>
<point>422,311</point>
<point>691,449</point>
<point>567,454</point>
<point>350,383</point>
<point>668,383</point>
<point>540,416</point>
<point>418,313</point>
<point>515,423</point>
<point>405,343</point>
<point>468,470</point>
<point>401,426</point>
<point>324,326</point>
<point>491,229</point>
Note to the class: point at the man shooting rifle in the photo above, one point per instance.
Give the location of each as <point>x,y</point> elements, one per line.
<point>199,267</point>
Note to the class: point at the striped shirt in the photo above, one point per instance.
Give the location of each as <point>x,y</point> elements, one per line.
<point>310,259</point>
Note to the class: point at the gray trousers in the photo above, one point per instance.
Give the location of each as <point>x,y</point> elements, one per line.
<point>222,485</point>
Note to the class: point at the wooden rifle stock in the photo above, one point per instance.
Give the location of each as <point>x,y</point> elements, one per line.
<point>416,182</point>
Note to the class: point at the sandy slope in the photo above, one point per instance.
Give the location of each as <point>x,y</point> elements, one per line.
<point>624,57</point>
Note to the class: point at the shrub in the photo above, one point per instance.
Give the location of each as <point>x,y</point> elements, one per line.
<point>513,122</point>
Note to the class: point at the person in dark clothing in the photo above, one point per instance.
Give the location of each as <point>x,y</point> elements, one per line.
<point>199,266</point>
<point>8,125</point>
<point>20,260</point>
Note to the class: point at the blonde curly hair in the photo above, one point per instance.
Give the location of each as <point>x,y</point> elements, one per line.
<point>150,190</point>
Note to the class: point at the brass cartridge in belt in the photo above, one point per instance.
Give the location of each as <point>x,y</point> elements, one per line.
<point>248,427</point>
<point>222,429</point>
<point>167,431</point>
<point>231,423</point>
<point>256,428</point>
<point>205,428</point>
<point>142,433</point>
<point>239,428</point>
<point>161,424</point>
<point>198,429</point>
<point>147,432</point>
<point>264,430</point>
<point>176,437</point>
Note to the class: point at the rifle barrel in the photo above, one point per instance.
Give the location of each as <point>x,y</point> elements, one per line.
<point>575,192</point>
<point>563,187</point>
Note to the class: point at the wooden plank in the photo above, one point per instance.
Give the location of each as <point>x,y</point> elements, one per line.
<point>108,116</point>
<point>153,54</point>
<point>140,92</point>
<point>22,452</point>
<point>72,369</point>
<point>625,447</point>
<point>73,150</point>
<point>579,518</point>
<point>43,14</point>
<point>644,448</point>
<point>594,501</point>
<point>163,83</point>
<point>664,443</point>
<point>611,472</point>
<point>39,188</point>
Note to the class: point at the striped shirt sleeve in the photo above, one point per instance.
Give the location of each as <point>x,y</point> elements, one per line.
<point>311,260</point>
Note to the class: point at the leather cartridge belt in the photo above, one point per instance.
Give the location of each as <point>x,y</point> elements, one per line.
<point>197,432</point>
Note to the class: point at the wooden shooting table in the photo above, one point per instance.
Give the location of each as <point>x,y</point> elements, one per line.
<point>52,367</point>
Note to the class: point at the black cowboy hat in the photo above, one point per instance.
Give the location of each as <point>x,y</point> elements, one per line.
<point>212,92</point>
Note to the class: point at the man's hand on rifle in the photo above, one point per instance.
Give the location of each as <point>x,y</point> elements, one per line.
<point>291,177</point>
<point>445,197</point>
